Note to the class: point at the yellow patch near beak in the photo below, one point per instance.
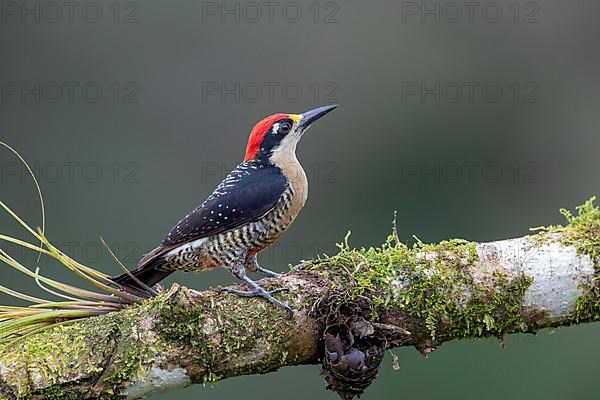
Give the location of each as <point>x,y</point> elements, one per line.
<point>295,117</point>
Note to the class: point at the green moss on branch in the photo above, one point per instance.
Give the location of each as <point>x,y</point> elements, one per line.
<point>581,230</point>
<point>437,292</point>
<point>103,353</point>
<point>433,284</point>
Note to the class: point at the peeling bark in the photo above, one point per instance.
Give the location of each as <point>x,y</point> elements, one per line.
<point>348,309</point>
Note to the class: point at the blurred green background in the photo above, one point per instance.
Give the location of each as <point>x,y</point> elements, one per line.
<point>472,121</point>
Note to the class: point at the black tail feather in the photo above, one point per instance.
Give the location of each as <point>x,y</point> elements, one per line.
<point>149,274</point>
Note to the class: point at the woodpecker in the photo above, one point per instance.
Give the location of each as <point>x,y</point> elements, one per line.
<point>248,211</point>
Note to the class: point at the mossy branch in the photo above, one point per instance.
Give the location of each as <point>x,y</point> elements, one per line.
<point>348,309</point>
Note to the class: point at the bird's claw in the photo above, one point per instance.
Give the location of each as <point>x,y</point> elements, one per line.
<point>268,273</point>
<point>260,292</point>
<point>299,267</point>
<point>253,293</point>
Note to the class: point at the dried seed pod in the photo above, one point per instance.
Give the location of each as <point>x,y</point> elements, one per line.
<point>351,357</point>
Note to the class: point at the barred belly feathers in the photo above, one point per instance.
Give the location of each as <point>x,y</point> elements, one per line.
<point>250,209</point>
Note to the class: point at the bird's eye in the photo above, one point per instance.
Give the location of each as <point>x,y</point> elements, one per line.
<point>285,128</point>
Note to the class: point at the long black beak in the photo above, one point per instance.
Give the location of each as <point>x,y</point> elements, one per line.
<point>311,116</point>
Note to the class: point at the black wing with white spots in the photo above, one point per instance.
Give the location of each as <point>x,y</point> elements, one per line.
<point>247,193</point>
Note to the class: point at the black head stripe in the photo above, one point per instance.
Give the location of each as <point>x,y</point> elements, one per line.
<point>279,130</point>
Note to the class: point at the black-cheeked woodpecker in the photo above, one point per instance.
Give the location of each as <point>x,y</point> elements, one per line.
<point>249,210</point>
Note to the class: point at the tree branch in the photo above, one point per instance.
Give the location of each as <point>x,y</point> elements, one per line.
<point>348,309</point>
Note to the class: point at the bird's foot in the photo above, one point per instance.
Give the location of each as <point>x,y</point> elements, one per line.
<point>268,273</point>
<point>253,293</point>
<point>298,267</point>
<point>257,291</point>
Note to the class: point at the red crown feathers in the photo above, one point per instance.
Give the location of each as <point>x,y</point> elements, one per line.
<point>258,133</point>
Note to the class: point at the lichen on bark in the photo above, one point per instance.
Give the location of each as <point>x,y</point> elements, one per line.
<point>434,284</point>
<point>581,230</point>
<point>101,354</point>
<point>365,300</point>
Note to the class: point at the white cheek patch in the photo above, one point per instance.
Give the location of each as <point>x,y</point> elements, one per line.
<point>288,144</point>
<point>275,128</point>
